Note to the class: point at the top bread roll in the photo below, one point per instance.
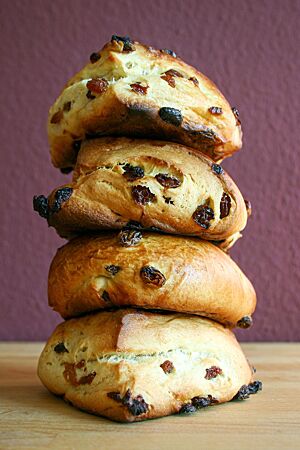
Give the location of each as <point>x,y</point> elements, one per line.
<point>129,89</point>
<point>157,184</point>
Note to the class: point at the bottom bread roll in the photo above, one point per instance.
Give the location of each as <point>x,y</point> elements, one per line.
<point>130,365</point>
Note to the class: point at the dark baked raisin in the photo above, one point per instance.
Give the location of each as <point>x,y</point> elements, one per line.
<point>87,379</point>
<point>150,275</point>
<point>135,405</point>
<point>127,42</point>
<point>94,57</point>
<point>194,80</point>
<point>215,110</point>
<point>67,106</point>
<point>248,207</point>
<point>217,169</point>
<point>60,196</point>
<point>139,89</point>
<point>213,372</point>
<point>203,402</point>
<point>142,195</point>
<point>76,146</point>
<point>242,394</point>
<point>236,115</point>
<point>132,173</point>
<point>130,238</point>
<point>60,348</point>
<point>168,200</point>
<point>112,269</point>
<point>41,205</point>
<point>187,408</point>
<point>203,215</point>
<point>245,322</point>
<point>254,387</point>
<point>66,170</point>
<point>171,115</point>
<point>57,117</point>
<point>97,85</point>
<point>167,181</point>
<point>169,52</point>
<point>105,296</point>
<point>90,96</point>
<point>115,396</point>
<point>167,366</point>
<point>133,225</point>
<point>225,205</point>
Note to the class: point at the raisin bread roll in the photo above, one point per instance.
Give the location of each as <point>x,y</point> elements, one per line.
<point>152,271</point>
<point>158,184</point>
<point>129,89</point>
<point>130,365</point>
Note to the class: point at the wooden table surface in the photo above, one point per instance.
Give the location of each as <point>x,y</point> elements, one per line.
<point>32,418</point>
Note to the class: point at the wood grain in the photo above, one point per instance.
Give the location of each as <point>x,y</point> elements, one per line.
<point>32,418</point>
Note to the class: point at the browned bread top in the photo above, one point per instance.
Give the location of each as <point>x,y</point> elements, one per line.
<point>129,89</point>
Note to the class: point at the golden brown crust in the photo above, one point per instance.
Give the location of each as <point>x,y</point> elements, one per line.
<point>204,119</point>
<point>104,197</point>
<point>159,361</point>
<point>151,271</point>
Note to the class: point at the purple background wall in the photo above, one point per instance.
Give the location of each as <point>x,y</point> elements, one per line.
<point>249,48</point>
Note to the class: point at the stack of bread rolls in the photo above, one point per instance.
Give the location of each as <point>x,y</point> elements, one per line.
<point>145,284</point>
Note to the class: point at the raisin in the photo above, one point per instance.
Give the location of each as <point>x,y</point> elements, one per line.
<point>225,205</point>
<point>127,42</point>
<point>67,106</point>
<point>169,75</point>
<point>87,379</point>
<point>203,215</point>
<point>187,408</point>
<point>94,57</point>
<point>150,275</point>
<point>130,238</point>
<point>254,387</point>
<point>60,196</point>
<point>105,296</point>
<point>213,372</point>
<point>57,117</point>
<point>203,402</point>
<point>133,225</point>
<point>242,394</point>
<point>248,207</point>
<point>168,200</point>
<point>245,322</point>
<point>60,348</point>
<point>170,80</point>
<point>167,366</point>
<point>194,80</point>
<point>165,180</point>
<point>66,170</point>
<point>90,96</point>
<point>215,110</point>
<point>135,405</point>
<point>76,146</point>
<point>139,89</point>
<point>41,205</point>
<point>132,173</point>
<point>97,85</point>
<point>142,195</point>
<point>169,52</point>
<point>171,115</point>
<point>217,169</point>
<point>115,396</point>
<point>112,269</point>
<point>236,115</point>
